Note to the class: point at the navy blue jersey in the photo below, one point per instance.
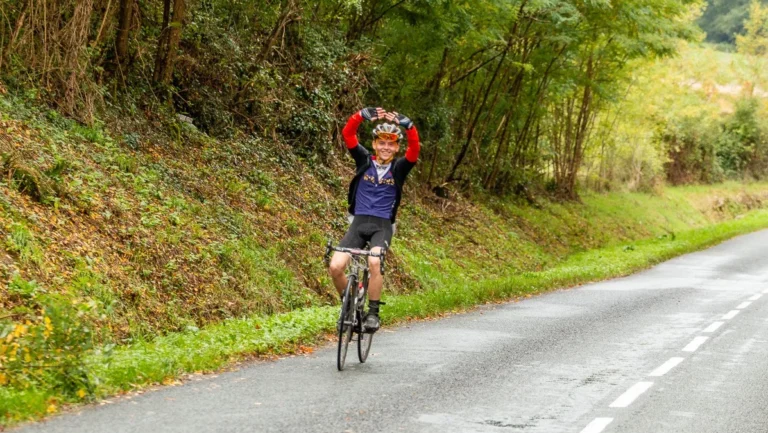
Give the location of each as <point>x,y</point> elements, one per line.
<point>374,196</point>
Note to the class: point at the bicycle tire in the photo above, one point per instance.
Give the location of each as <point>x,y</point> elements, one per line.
<point>345,331</point>
<point>363,338</point>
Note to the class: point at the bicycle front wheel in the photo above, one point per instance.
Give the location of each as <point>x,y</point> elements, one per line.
<point>363,338</point>
<point>346,319</point>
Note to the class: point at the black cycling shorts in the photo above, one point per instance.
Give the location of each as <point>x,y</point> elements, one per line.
<point>370,229</point>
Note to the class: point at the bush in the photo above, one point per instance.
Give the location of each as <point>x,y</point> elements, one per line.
<point>43,344</point>
<point>742,144</point>
<point>691,147</point>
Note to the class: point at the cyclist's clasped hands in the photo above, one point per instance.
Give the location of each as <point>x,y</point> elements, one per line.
<point>370,113</point>
<point>378,113</point>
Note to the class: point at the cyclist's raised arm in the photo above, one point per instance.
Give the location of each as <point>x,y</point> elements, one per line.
<point>412,152</point>
<point>350,132</point>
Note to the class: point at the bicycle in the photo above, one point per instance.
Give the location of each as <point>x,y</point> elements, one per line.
<point>353,302</point>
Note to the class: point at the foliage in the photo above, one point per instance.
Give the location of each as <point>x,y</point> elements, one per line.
<point>723,20</point>
<point>754,41</point>
<point>677,123</point>
<point>692,151</point>
<point>743,143</point>
<point>505,93</point>
<point>43,343</point>
<point>189,171</point>
<point>194,351</point>
<point>22,242</point>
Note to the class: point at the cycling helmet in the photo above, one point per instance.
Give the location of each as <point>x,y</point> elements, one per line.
<point>387,131</point>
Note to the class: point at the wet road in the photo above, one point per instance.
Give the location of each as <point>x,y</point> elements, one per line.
<point>682,347</point>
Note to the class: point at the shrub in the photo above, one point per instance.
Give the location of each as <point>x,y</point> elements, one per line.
<point>691,148</point>
<point>25,178</point>
<point>742,144</point>
<point>43,344</point>
<point>21,242</point>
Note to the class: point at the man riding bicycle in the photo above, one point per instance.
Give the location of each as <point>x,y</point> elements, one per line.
<point>374,196</point>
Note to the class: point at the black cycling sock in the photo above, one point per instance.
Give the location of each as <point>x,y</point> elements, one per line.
<point>373,306</point>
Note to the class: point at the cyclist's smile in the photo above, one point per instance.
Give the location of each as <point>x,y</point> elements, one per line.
<point>385,149</point>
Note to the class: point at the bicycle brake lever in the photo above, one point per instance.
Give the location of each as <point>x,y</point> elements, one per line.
<point>327,257</point>
<point>384,259</point>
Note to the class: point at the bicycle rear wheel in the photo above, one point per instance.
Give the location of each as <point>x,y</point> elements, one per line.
<point>346,319</point>
<point>363,344</point>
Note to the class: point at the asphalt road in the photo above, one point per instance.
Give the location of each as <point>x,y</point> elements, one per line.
<point>682,347</point>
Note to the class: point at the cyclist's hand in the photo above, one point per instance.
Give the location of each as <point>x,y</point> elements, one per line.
<point>371,113</point>
<point>401,120</point>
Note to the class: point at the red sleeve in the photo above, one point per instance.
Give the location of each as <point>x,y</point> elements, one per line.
<point>412,153</point>
<point>350,130</point>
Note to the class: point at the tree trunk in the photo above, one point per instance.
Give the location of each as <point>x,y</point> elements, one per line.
<point>287,15</point>
<point>577,126</point>
<point>471,130</point>
<point>123,31</point>
<point>14,35</point>
<point>500,150</point>
<point>367,20</point>
<point>434,84</point>
<point>168,42</point>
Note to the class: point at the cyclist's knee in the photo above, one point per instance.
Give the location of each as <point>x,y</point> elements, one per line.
<point>374,265</point>
<point>338,264</point>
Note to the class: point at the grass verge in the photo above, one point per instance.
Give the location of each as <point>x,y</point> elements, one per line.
<point>168,357</point>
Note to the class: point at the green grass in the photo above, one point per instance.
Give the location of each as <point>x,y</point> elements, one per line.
<point>595,265</point>
<point>168,357</point>
<point>170,248</point>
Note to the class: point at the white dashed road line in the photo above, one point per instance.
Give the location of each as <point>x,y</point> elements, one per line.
<point>713,327</point>
<point>664,368</point>
<point>597,425</point>
<point>631,394</point>
<point>693,345</point>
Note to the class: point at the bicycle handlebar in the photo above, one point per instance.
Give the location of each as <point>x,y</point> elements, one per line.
<point>356,252</point>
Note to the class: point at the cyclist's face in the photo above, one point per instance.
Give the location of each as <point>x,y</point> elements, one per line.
<point>385,149</point>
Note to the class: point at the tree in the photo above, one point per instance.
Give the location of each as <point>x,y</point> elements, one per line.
<point>722,20</point>
<point>755,40</point>
<point>168,42</point>
<point>125,19</point>
<point>754,43</point>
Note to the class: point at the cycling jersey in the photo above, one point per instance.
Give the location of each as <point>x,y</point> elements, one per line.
<point>376,198</point>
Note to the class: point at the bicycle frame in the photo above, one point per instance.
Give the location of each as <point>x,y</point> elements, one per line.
<point>358,272</point>
<point>353,300</point>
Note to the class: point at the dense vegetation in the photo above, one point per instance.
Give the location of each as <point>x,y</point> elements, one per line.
<point>509,96</point>
<point>723,20</point>
<point>506,93</point>
<point>127,267</point>
<point>173,165</point>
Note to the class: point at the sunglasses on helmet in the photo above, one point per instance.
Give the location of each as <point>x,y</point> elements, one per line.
<point>387,136</point>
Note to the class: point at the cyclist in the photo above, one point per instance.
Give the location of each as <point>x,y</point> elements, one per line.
<point>374,196</point>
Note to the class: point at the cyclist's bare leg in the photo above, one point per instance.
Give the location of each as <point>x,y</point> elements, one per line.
<point>375,279</point>
<point>339,263</point>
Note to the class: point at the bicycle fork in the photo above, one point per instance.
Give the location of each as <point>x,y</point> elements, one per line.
<point>352,297</point>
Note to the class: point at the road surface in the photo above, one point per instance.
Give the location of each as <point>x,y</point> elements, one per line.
<point>682,347</point>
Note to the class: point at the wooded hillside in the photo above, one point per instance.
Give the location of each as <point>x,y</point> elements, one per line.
<point>508,96</point>
<point>177,165</point>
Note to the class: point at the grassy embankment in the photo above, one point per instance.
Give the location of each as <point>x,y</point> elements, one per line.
<point>190,253</point>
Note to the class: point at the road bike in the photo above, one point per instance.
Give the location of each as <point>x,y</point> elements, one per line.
<point>353,302</point>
